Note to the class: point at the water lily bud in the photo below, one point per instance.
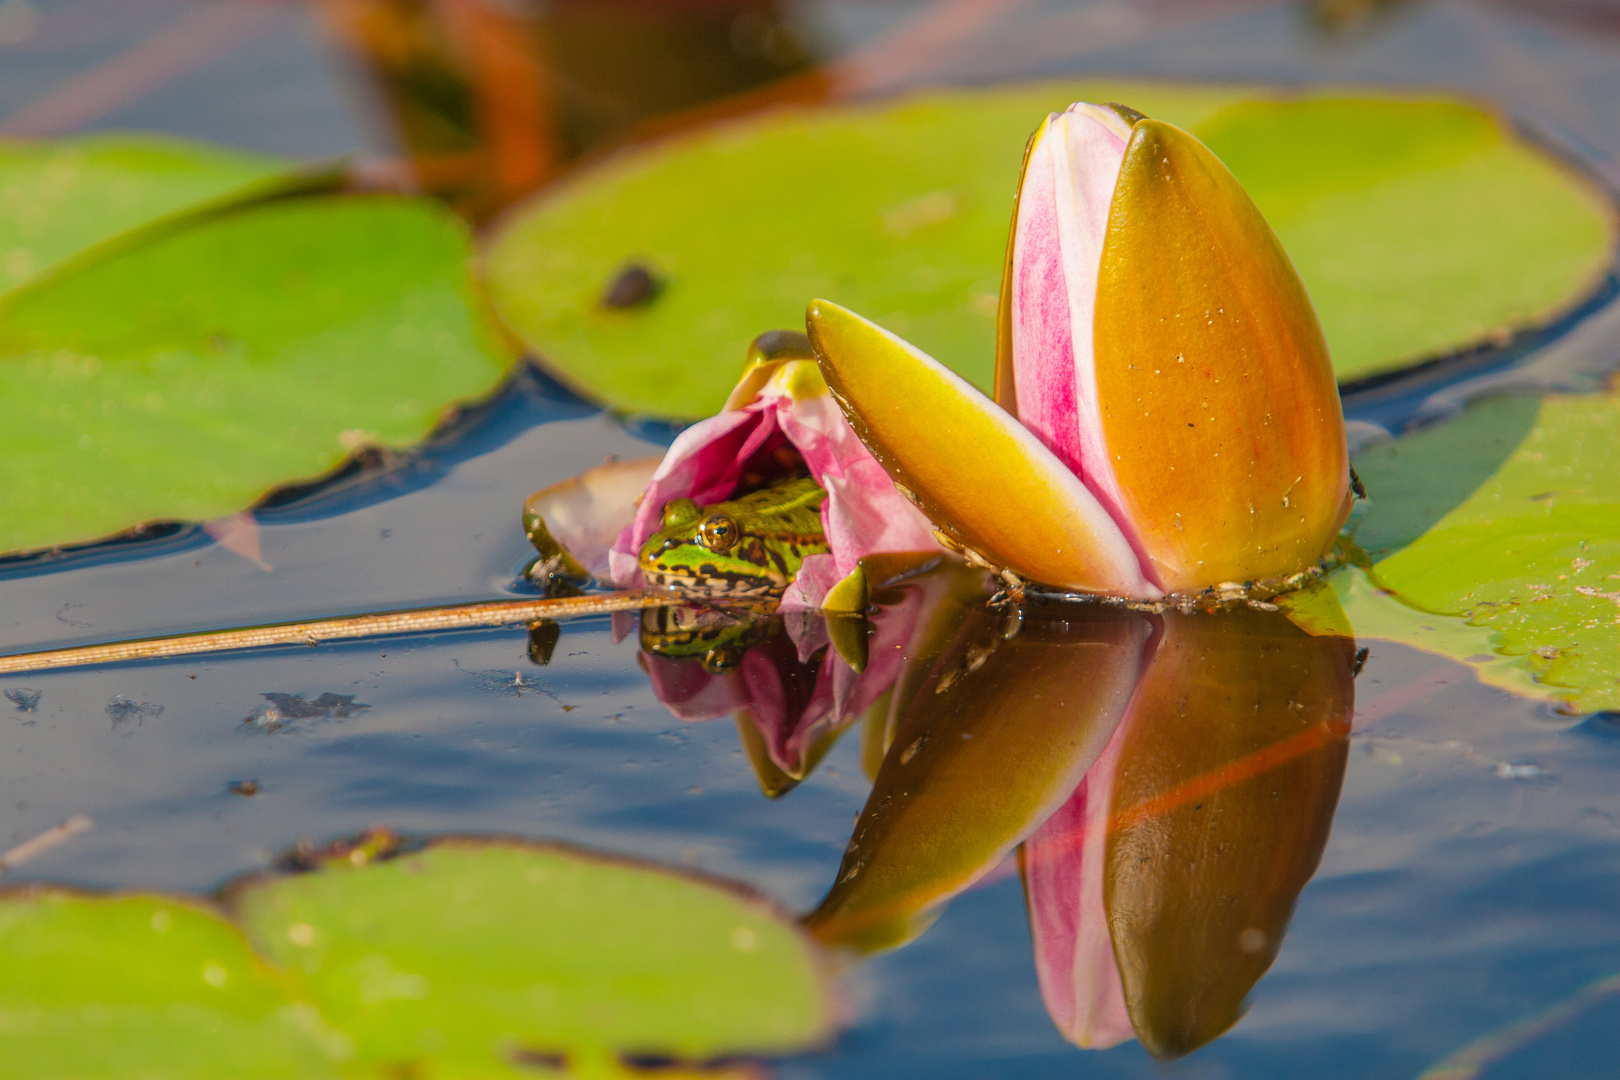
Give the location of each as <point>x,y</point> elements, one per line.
<point>1163,347</point>
<point>1155,342</point>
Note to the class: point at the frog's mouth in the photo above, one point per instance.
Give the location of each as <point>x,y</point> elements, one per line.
<point>716,584</point>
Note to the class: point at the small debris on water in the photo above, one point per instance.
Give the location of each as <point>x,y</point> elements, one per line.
<point>634,286</point>
<point>122,710</point>
<point>244,788</point>
<point>25,699</point>
<point>283,709</point>
<point>513,684</point>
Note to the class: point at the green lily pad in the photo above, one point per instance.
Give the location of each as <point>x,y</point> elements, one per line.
<point>1496,537</point>
<point>61,198</point>
<point>136,987</point>
<point>478,951</point>
<point>184,377</point>
<point>1416,226</point>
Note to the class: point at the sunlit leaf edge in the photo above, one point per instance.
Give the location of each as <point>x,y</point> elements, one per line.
<point>584,376</point>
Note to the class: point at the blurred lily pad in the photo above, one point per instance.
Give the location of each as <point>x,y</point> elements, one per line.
<point>1496,537</point>
<point>465,958</point>
<point>185,376</point>
<point>60,198</point>
<point>480,951</point>
<point>144,986</point>
<point>1418,226</point>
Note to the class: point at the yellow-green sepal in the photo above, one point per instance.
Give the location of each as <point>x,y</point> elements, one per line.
<point>978,474</point>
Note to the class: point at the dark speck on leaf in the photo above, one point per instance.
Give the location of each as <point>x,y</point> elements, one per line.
<point>25,699</point>
<point>635,286</point>
<point>1359,662</point>
<point>540,1059</point>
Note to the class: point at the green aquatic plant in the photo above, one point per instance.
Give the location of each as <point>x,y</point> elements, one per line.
<point>458,957</point>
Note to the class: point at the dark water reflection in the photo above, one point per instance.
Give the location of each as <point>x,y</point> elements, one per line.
<point>1165,781</point>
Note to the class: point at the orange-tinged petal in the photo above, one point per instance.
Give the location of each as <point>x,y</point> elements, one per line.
<point>977,473</point>
<point>1219,408</point>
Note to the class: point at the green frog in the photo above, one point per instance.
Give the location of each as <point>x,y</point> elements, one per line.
<point>749,548</point>
<point>718,638</point>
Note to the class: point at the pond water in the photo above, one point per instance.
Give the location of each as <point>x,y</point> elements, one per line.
<point>1460,919</point>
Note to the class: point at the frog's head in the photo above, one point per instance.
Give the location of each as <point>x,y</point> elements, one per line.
<point>716,551</point>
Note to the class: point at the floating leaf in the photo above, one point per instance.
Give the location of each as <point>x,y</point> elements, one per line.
<point>144,986</point>
<point>1416,225</point>
<point>183,378</point>
<point>63,197</point>
<point>900,210</point>
<point>479,951</point>
<point>1499,533</point>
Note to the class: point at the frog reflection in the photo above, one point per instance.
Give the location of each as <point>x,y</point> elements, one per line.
<point>1167,782</point>
<point>794,682</point>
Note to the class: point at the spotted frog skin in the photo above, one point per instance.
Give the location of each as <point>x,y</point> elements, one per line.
<point>715,636</point>
<point>746,549</point>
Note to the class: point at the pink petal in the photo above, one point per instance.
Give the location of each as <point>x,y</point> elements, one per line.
<point>691,693</point>
<point>1062,220</point>
<point>1063,866</point>
<point>239,534</point>
<point>863,513</point>
<point>586,513</point>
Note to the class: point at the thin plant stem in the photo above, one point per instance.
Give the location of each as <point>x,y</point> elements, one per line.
<point>413,621</point>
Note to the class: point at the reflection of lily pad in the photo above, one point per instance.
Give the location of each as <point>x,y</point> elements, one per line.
<point>144,986</point>
<point>1417,226</point>
<point>183,378</point>
<point>469,950</point>
<point>59,198</point>
<point>1504,524</point>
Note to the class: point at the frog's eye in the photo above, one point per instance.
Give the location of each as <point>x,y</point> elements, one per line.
<point>719,533</point>
<point>678,512</point>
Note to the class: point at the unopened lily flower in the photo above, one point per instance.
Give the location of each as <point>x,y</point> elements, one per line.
<point>1165,417</point>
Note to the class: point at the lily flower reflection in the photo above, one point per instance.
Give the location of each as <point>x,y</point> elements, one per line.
<point>1165,417</point>
<point>1167,780</point>
<point>795,682</point>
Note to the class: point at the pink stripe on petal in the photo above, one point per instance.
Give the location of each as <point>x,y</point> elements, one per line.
<point>1088,152</point>
<point>1043,349</point>
<point>1057,256</point>
<point>1064,864</point>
